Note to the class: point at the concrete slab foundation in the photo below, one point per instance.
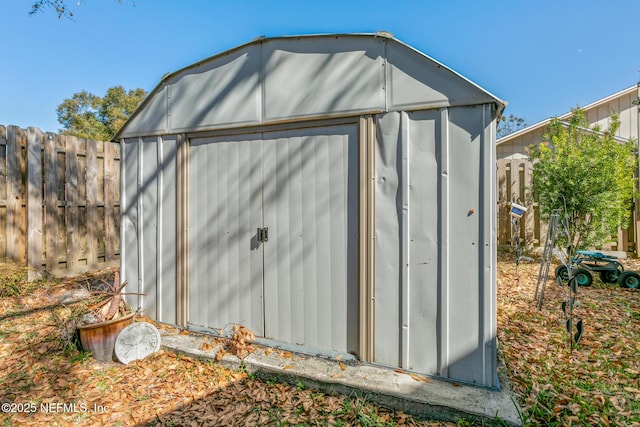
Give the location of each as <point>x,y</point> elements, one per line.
<point>414,394</point>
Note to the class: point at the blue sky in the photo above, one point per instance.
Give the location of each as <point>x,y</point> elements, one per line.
<point>542,57</point>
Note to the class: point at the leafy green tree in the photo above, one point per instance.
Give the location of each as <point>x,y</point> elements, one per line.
<point>509,125</point>
<point>89,116</point>
<point>589,169</point>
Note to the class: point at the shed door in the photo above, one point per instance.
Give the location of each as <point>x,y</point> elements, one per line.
<point>225,209</point>
<point>299,286</point>
<point>310,208</point>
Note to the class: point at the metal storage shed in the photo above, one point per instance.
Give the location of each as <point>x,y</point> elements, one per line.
<point>334,193</point>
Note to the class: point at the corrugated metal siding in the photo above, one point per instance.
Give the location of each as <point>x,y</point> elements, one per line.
<point>467,284</point>
<point>421,267</point>
<point>166,233</point>
<point>387,249</point>
<point>434,290</point>
<point>304,184</point>
<point>225,209</point>
<point>407,230</point>
<point>149,224</point>
<point>149,229</point>
<point>129,223</point>
<point>310,207</point>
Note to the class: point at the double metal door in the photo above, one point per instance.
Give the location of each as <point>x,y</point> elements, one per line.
<point>273,235</point>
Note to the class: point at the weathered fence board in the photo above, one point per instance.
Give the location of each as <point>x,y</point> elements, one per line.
<point>92,201</point>
<point>52,224</point>
<point>111,195</point>
<point>515,183</point>
<point>59,201</point>
<point>3,190</point>
<point>34,201</point>
<point>71,199</point>
<point>16,220</point>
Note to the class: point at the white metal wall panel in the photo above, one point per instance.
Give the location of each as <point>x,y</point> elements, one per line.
<point>434,290</point>
<point>305,77</point>
<point>149,229</point>
<point>153,118</point>
<point>224,90</point>
<point>407,227</point>
<point>129,223</point>
<point>469,288</point>
<point>148,224</point>
<point>417,80</point>
<point>225,209</point>
<point>387,231</point>
<point>310,207</point>
<point>421,239</point>
<point>489,254</point>
<point>167,231</point>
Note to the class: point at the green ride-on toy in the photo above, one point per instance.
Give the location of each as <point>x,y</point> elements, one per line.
<point>607,266</point>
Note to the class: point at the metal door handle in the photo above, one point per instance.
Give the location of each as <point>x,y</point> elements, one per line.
<point>263,234</point>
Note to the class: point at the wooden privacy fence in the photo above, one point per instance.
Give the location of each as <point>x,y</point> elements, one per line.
<point>515,181</point>
<point>59,201</point>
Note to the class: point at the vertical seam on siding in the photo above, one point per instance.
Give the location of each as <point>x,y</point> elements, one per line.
<point>404,245</point>
<point>443,312</point>
<point>159,258</point>
<point>123,202</point>
<point>139,224</point>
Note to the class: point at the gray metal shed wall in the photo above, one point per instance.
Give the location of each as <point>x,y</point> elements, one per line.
<point>149,224</point>
<point>435,243</point>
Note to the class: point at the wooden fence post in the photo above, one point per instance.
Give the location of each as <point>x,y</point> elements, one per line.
<point>503,219</point>
<point>53,246</point>
<point>92,202</point>
<point>34,203</point>
<point>16,232</point>
<point>71,198</point>
<point>111,190</point>
<point>3,193</point>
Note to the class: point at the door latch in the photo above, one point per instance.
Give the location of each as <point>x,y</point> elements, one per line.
<point>263,234</point>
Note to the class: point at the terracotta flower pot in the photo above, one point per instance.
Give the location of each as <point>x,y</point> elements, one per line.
<point>100,338</point>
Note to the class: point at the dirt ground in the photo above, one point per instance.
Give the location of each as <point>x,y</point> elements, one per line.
<point>47,381</point>
<point>593,382</point>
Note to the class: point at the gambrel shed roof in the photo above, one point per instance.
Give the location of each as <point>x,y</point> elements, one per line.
<point>268,80</point>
